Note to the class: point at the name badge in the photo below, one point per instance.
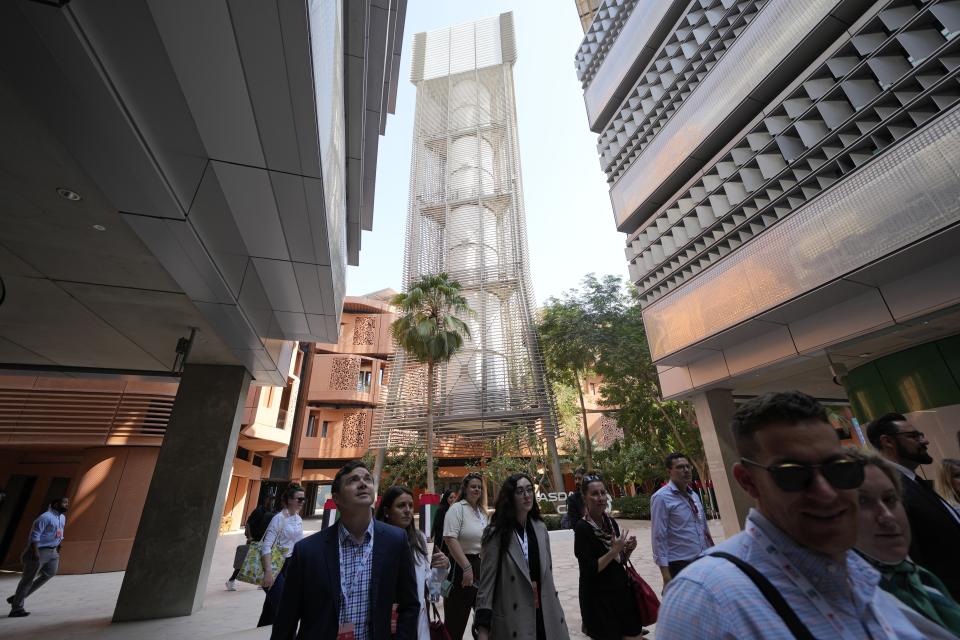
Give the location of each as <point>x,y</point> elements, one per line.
<point>394,616</point>
<point>536,595</point>
<point>346,631</point>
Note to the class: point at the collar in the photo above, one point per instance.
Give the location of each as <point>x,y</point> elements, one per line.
<point>677,489</point>
<point>910,474</point>
<point>834,581</point>
<point>53,511</point>
<point>345,536</point>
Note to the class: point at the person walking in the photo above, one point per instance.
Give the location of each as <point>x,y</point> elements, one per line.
<point>575,507</point>
<point>253,530</point>
<point>285,530</point>
<point>883,540</point>
<point>462,535</point>
<point>41,558</point>
<point>791,573</point>
<point>607,604</point>
<point>678,523</point>
<point>447,500</point>
<point>343,582</point>
<point>516,597</point>
<point>948,482</point>
<point>396,508</point>
<point>935,524</point>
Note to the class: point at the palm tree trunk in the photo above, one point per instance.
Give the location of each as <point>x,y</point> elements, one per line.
<point>430,485</point>
<point>588,448</point>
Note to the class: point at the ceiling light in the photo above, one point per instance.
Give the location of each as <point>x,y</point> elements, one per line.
<point>865,354</point>
<point>99,227</point>
<point>68,194</point>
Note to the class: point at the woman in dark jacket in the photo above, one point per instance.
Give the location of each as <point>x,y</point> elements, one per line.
<point>607,604</point>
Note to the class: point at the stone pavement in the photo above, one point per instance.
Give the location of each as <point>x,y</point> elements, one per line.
<point>81,606</point>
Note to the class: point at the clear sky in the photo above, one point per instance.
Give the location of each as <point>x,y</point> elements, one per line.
<point>570,226</point>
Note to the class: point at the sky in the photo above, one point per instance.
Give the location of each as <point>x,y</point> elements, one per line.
<point>570,227</point>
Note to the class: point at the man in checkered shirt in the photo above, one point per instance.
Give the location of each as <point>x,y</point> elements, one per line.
<point>344,581</point>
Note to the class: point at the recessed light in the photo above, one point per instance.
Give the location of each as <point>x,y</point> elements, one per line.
<point>68,194</point>
<point>865,354</point>
<point>99,227</point>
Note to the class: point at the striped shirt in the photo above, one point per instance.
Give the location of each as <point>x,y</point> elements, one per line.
<point>356,567</point>
<point>713,599</point>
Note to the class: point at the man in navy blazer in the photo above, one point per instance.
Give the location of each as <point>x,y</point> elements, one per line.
<point>322,601</point>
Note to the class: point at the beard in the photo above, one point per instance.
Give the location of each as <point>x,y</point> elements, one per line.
<point>920,456</point>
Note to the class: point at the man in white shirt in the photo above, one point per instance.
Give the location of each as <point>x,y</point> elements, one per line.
<point>935,525</point>
<point>41,558</point>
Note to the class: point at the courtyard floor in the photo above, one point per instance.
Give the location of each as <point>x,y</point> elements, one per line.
<point>80,606</point>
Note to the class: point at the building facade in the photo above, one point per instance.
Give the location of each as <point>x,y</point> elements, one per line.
<point>466,218</point>
<point>785,173</point>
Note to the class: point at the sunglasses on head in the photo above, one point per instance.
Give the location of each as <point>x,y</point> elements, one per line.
<point>842,473</point>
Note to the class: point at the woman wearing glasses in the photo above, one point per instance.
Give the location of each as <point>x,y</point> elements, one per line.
<point>607,603</point>
<point>517,597</point>
<point>462,533</point>
<point>883,540</point>
<point>284,531</point>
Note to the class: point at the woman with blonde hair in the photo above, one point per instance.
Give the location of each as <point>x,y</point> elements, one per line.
<point>948,482</point>
<point>462,536</point>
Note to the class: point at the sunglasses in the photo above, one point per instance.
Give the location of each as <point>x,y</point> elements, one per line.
<point>843,473</point>
<point>300,499</point>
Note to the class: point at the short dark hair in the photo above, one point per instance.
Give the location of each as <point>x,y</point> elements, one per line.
<point>351,466</point>
<point>288,493</point>
<point>676,455</point>
<point>883,426</point>
<point>55,501</point>
<point>780,407</point>
<point>580,472</point>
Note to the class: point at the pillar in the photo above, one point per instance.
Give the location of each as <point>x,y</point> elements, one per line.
<point>715,409</point>
<point>170,561</point>
<point>555,463</point>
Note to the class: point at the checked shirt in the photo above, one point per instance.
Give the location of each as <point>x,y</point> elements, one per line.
<point>356,567</point>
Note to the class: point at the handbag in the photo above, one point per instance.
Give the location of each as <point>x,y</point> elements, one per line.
<point>438,630</point>
<point>647,602</point>
<point>252,570</point>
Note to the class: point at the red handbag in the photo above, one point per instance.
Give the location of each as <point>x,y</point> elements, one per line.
<point>438,630</point>
<point>647,602</point>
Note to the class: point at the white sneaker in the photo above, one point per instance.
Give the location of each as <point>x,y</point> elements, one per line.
<point>231,585</point>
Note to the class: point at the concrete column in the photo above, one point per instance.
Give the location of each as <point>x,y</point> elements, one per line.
<point>170,560</point>
<point>715,409</point>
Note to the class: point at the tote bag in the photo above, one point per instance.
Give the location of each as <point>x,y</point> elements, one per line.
<point>647,602</point>
<point>438,630</point>
<point>252,570</point>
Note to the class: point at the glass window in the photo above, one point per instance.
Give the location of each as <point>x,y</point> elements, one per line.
<point>324,429</point>
<point>312,426</point>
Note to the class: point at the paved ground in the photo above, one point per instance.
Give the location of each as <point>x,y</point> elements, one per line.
<point>81,606</point>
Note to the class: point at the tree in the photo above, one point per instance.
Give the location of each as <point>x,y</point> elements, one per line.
<point>430,330</point>
<point>403,465</point>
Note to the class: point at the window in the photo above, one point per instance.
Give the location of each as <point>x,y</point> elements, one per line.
<point>257,461</point>
<point>380,379</point>
<point>312,426</point>
<point>324,429</point>
<point>593,389</point>
<point>363,381</point>
<point>243,454</point>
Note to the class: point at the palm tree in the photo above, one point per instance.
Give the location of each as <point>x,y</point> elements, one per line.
<point>430,330</point>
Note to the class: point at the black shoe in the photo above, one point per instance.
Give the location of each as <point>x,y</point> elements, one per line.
<point>18,613</point>
<point>10,599</point>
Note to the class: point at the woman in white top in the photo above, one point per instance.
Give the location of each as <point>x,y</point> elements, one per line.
<point>285,530</point>
<point>462,533</point>
<point>396,508</point>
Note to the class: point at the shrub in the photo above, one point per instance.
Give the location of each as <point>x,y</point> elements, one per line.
<point>633,507</point>
<point>552,520</point>
<point>547,506</point>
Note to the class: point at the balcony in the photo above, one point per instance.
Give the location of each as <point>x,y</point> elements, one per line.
<point>345,379</point>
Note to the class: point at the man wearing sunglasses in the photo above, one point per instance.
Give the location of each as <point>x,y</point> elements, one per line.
<point>790,573</point>
<point>935,525</point>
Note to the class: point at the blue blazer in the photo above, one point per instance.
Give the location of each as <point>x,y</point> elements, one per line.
<point>311,590</point>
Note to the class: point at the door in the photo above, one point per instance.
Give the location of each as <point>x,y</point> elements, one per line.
<point>19,489</point>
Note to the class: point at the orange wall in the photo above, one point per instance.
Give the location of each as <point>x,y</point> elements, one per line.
<point>382,343</point>
<point>330,447</point>
<point>322,389</point>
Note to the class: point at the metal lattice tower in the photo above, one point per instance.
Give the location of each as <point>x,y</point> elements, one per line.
<point>466,218</point>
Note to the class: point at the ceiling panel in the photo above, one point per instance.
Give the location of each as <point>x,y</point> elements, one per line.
<point>254,209</point>
<point>279,284</point>
<point>292,205</point>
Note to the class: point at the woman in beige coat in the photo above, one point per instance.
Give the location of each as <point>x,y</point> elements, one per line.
<point>517,597</point>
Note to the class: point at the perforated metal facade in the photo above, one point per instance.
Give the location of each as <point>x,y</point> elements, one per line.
<point>466,218</point>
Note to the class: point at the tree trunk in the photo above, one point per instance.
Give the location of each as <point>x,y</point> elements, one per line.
<point>430,485</point>
<point>378,468</point>
<point>588,448</point>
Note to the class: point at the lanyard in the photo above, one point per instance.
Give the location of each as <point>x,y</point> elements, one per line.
<point>354,579</point>
<point>523,545</point>
<point>801,582</point>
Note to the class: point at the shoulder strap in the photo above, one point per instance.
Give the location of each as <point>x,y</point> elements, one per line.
<point>797,628</point>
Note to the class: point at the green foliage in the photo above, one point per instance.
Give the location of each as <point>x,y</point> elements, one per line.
<point>552,521</point>
<point>406,466</point>
<point>430,327</point>
<point>518,451</point>
<point>633,507</point>
<point>547,506</point>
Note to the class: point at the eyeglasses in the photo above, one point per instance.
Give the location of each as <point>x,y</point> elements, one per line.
<point>843,473</point>
<point>523,491</point>
<point>300,499</point>
<point>913,435</point>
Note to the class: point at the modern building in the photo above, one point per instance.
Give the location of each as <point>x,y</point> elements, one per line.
<point>786,175</point>
<point>183,185</point>
<point>466,218</point>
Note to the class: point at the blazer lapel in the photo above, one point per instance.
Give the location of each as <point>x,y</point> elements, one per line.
<point>546,562</point>
<point>331,556</point>
<point>380,553</point>
<point>516,553</point>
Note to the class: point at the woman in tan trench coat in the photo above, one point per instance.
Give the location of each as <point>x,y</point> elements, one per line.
<point>517,597</point>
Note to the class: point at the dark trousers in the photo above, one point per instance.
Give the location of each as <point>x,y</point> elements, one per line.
<point>271,604</point>
<point>37,570</point>
<point>676,566</point>
<point>457,606</point>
